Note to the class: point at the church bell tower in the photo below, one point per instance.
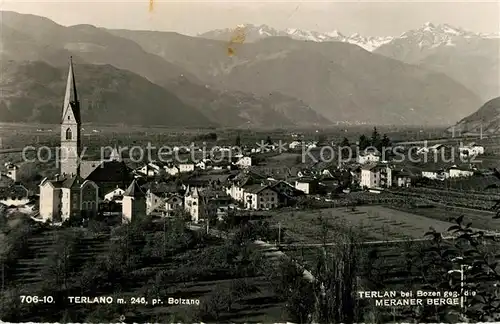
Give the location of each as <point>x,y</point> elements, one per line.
<point>70,149</point>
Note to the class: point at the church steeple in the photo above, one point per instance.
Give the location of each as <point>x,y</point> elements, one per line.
<point>71,95</point>
<point>70,128</point>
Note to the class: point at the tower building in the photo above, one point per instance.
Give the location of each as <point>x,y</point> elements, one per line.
<point>70,150</point>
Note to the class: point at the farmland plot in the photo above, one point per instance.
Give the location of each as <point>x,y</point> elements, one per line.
<point>375,222</point>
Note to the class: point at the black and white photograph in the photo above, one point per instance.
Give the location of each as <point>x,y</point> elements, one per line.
<point>250,161</point>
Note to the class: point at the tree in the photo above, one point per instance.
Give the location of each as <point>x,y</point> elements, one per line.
<point>375,139</point>
<point>269,141</point>
<point>364,142</point>
<point>386,142</point>
<point>336,275</point>
<point>345,143</point>
<point>237,142</point>
<point>61,263</point>
<point>291,286</point>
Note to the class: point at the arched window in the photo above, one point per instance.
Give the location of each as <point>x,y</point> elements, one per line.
<point>68,134</point>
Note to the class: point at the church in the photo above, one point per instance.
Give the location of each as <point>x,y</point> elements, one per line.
<point>80,186</point>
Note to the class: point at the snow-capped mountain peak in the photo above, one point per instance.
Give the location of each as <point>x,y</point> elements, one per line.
<point>429,35</point>
<point>334,33</point>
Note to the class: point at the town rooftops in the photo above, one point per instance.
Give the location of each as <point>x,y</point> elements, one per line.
<point>256,188</point>
<point>371,166</point>
<point>160,188</point>
<point>306,180</point>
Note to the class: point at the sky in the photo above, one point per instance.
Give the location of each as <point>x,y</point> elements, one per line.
<point>368,18</point>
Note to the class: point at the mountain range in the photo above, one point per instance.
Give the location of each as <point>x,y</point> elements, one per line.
<point>254,33</point>
<point>266,81</point>
<point>469,57</point>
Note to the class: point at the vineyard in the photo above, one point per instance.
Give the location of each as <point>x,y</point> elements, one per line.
<point>475,184</point>
<point>484,202</point>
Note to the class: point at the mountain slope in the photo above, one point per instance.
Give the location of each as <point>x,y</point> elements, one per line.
<point>486,119</point>
<point>235,108</point>
<point>33,92</point>
<point>88,43</point>
<point>254,33</point>
<point>340,81</point>
<point>34,38</point>
<point>470,58</point>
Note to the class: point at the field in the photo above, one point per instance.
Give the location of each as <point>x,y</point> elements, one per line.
<point>479,219</point>
<point>377,222</point>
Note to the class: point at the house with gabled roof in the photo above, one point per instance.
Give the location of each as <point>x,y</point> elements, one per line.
<point>204,203</point>
<point>376,175</point>
<point>63,198</point>
<point>260,197</point>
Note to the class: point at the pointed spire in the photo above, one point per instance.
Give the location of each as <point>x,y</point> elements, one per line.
<point>134,190</point>
<point>71,95</point>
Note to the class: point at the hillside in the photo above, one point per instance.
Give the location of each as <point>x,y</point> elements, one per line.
<point>470,58</point>
<point>340,81</point>
<point>236,108</point>
<point>86,43</point>
<point>34,91</point>
<point>486,118</point>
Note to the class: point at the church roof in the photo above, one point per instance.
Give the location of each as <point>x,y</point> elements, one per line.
<point>71,95</point>
<point>109,171</point>
<point>134,190</point>
<point>71,182</point>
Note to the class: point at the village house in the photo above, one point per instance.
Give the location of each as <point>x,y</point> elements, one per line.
<point>114,195</point>
<point>376,175</point>
<point>185,167</point>
<point>12,171</point>
<point>204,164</point>
<point>150,169</point>
<point>295,145</point>
<point>368,157</point>
<point>204,203</point>
<point>308,185</point>
<point>402,178</point>
<point>260,197</point>
<point>244,162</point>
<point>156,196</point>
<point>171,169</point>
<point>287,194</point>
<point>460,172</point>
<point>63,198</point>
<point>238,183</point>
<point>435,174</point>
<point>471,150</point>
<point>173,203</point>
